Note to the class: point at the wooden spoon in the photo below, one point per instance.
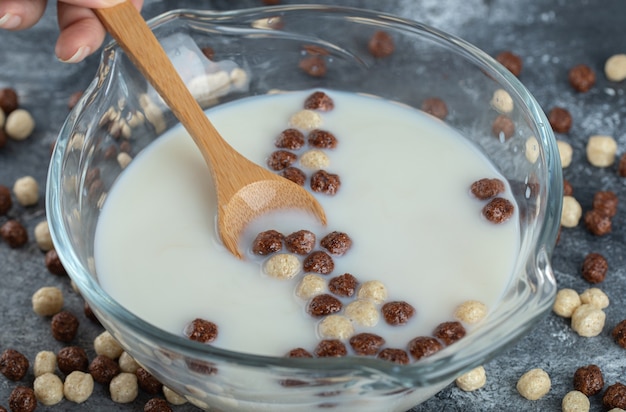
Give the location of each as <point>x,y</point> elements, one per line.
<point>244,189</point>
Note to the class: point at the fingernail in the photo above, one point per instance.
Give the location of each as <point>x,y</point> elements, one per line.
<point>107,3</point>
<point>10,21</point>
<point>79,56</point>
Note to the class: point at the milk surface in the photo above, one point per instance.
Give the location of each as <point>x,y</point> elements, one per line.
<point>404,200</point>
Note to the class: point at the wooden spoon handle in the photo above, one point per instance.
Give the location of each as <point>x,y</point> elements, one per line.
<point>130,30</point>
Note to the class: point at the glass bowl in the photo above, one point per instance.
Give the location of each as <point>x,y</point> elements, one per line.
<point>268,45</point>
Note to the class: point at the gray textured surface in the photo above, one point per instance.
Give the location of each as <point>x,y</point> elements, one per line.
<point>551,36</point>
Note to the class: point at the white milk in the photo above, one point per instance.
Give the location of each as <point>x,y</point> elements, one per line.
<point>404,200</point>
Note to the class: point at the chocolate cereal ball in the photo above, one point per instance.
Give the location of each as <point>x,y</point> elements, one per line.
<point>588,380</point>
<point>64,326</point>
<point>22,399</point>
<point>72,358</point>
<point>104,369</point>
<point>619,334</point>
<point>13,364</point>
<point>615,396</point>
<point>594,268</point>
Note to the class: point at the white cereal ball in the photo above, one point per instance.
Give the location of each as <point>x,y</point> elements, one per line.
<point>595,297</point>
<point>571,212</point>
<point>306,120</point>
<point>127,363</point>
<point>588,321</point>
<point>282,266</point>
<point>124,388</point>
<point>472,380</point>
<point>532,149</point>
<point>42,236</point>
<point>575,401</point>
<point>502,101</point>
<point>45,362</point>
<point>335,327</point>
<point>48,389</point>
<point>105,344</point>
<point>19,124</point>
<point>26,190</point>
<point>566,302</point>
<point>615,68</point>
<point>363,312</point>
<point>78,386</point>
<point>534,384</point>
<point>471,311</point>
<point>601,150</point>
<point>172,397</point>
<point>565,152</point>
<point>124,159</point>
<point>373,290</point>
<point>311,285</point>
<point>314,159</point>
<point>47,301</point>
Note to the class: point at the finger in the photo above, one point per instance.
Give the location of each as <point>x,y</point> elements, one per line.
<point>20,14</point>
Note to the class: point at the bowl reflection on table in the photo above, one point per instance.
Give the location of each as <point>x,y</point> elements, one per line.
<point>262,49</point>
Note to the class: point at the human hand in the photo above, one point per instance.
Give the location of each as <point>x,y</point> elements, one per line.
<point>81,32</point>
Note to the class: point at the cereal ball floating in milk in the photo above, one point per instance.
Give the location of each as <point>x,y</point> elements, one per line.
<point>471,311</point>
<point>587,320</point>
<point>449,332</point>
<point>601,150</point>
<point>595,297</point>
<point>502,101</point>
<point>397,312</point>
<point>325,182</point>
<point>295,175</point>
<point>314,159</point>
<point>366,344</point>
<point>615,68</point>
<point>423,346</point>
<point>330,348</point>
<point>534,384</point>
<point>306,120</point>
<point>322,139</point>
<point>374,291</point>
<point>472,380</point>
<point>201,330</point>
<point>301,242</point>
<point>19,124</point>
<point>291,139</point>
<point>571,212</point>
<point>344,285</point>
<point>566,302</point>
<point>336,327</point>
<point>486,188</point>
<point>282,266</point>
<point>319,101</point>
<point>363,312</point>
<point>267,242</point>
<point>323,305</point>
<point>26,190</point>
<point>311,285</point>
<point>319,262</point>
<point>498,210</point>
<point>394,355</point>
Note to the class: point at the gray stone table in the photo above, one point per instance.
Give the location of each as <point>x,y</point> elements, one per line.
<point>550,36</point>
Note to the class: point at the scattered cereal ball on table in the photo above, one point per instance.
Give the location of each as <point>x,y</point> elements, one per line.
<point>127,363</point>
<point>565,153</point>
<point>366,344</point>
<point>22,399</point>
<point>281,159</point>
<point>42,236</point>
<point>26,191</point>
<point>534,384</point>
<point>330,348</point>
<point>502,101</point>
<point>531,149</point>
<point>106,344</point>
<point>472,380</point>
<point>606,201</point>
<point>423,346</point>
<point>568,189</point>
<point>48,389</point>
<point>283,266</point>
<point>397,312</point>
<point>503,127</point>
<point>147,382</point>
<point>588,321</point>
<point>319,101</point>
<point>314,159</point>
<point>498,210</point>
<point>314,66</point>
<point>9,100</point>
<point>566,302</point>
<point>45,362</point>
<point>381,44</point>
<point>373,290</point>
<point>310,285</point>
<point>601,150</point>
<point>14,234</point>
<point>337,243</point>
<point>13,364</point>
<point>295,175</point>
<point>594,268</point>
<point>124,388</point>
<point>306,120</point>
<point>47,301</point>
<point>19,124</point>
<point>571,212</point>
<point>560,119</point>
<point>597,223</point>
<point>3,138</point>
<point>588,380</point>
<point>471,311</point>
<point>292,139</point>
<point>619,334</point>
<point>201,330</point>
<point>72,358</point>
<point>595,297</point>
<point>344,285</point>
<point>449,332</point>
<point>511,61</point>
<point>398,356</point>
<point>486,188</point>
<point>6,202</point>
<point>319,262</point>
<point>363,312</point>
<point>104,369</point>
<point>335,327</point>
<point>582,78</point>
<point>615,68</point>
<point>64,326</point>
<point>435,107</point>
<point>323,305</point>
<point>575,401</point>
<point>78,386</point>
<point>157,405</point>
<point>173,397</point>
<point>53,263</point>
<point>615,396</point>
<point>301,242</point>
<point>267,242</point>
